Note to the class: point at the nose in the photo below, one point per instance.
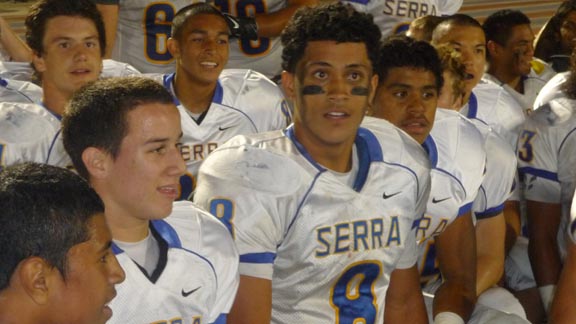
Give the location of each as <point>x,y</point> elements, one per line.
<point>209,44</point>
<point>81,52</point>
<point>416,105</point>
<point>177,164</point>
<point>337,88</point>
<point>117,274</point>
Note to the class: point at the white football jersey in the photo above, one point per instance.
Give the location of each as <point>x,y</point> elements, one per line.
<point>572,227</point>
<point>547,156</point>
<point>19,91</point>
<point>245,102</point>
<point>457,157</point>
<point>540,73</point>
<point>500,173</point>
<point>264,54</point>
<point>143,28</point>
<point>394,16</point>
<point>316,238</point>
<point>495,107</point>
<point>196,278</point>
<point>27,132</point>
<point>552,90</point>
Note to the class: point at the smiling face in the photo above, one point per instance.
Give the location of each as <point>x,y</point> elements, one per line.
<point>72,55</point>
<point>332,87</point>
<point>407,98</point>
<point>518,51</point>
<point>142,181</point>
<point>470,42</point>
<point>92,272</point>
<point>202,51</point>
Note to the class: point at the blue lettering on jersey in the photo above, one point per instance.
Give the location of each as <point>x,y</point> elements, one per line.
<point>360,235</point>
<point>410,9</point>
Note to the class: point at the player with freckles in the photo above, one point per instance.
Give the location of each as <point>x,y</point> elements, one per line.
<point>322,212</point>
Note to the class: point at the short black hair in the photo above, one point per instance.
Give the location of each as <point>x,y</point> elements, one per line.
<point>184,14</point>
<point>403,51</point>
<point>498,26</point>
<point>456,20</point>
<point>44,10</point>
<point>44,211</point>
<point>328,22</point>
<point>96,114</point>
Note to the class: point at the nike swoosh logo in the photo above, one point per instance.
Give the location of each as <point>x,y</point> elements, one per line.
<point>225,128</point>
<point>236,25</point>
<point>385,196</point>
<point>435,201</point>
<point>188,293</point>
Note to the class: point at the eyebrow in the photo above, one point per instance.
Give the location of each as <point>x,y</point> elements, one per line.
<point>105,247</point>
<point>205,32</point>
<point>407,86</point>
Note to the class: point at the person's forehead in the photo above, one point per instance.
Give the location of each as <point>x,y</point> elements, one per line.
<point>98,236</point>
<point>205,21</point>
<point>349,53</point>
<point>411,75</point>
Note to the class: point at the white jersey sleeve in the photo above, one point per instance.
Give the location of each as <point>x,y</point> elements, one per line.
<point>27,132</point>
<point>500,174</point>
<point>19,91</point>
<point>572,225</point>
<point>21,71</point>
<point>113,68</point>
<point>552,90</point>
<point>546,156</point>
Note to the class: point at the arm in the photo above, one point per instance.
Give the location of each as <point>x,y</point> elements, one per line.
<point>16,48</point>
<point>404,301</point>
<point>456,249</point>
<point>253,304</point>
<point>513,225</point>
<point>543,223</point>
<point>109,14</point>
<point>490,240</point>
<point>563,310</point>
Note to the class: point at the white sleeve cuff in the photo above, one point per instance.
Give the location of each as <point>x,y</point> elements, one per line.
<point>448,318</point>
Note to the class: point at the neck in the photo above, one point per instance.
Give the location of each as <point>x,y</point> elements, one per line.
<point>195,96</point>
<point>336,157</point>
<point>55,100</point>
<point>14,309</point>
<point>513,80</point>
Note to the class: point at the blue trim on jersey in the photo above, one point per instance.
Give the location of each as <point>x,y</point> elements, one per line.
<point>115,249</point>
<point>490,212</point>
<point>221,319</point>
<point>430,147</point>
<point>363,2</point>
<point>472,106</point>
<point>289,132</point>
<point>464,209</point>
<point>539,173</point>
<point>59,117</point>
<point>168,82</point>
<point>258,258</point>
<point>52,145</point>
<point>369,150</point>
<point>3,83</point>
<point>167,232</point>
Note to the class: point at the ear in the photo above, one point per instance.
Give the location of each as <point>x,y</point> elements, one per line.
<point>33,275</point>
<point>492,47</point>
<point>38,62</point>
<point>173,47</point>
<point>96,162</point>
<point>288,84</point>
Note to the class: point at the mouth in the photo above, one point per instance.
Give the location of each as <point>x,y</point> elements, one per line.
<point>170,191</point>
<point>415,126</point>
<point>209,64</point>
<point>336,115</point>
<point>81,71</point>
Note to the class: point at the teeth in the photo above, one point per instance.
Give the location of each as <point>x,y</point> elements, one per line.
<point>337,114</point>
<point>212,64</point>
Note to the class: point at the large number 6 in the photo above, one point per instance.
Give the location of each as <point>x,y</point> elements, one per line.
<point>158,23</point>
<point>353,297</point>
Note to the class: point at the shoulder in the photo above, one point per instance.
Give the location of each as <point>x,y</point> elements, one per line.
<point>262,162</point>
<point>112,68</point>
<point>247,83</point>
<point>23,122</point>
<point>557,112</point>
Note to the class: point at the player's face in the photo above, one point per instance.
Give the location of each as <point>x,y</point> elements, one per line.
<point>470,42</point>
<point>568,32</point>
<point>92,271</point>
<point>518,51</point>
<point>331,89</point>
<point>407,98</point>
<point>143,180</point>
<point>202,52</point>
<point>72,55</point>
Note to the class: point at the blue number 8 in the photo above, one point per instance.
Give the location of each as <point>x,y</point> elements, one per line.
<point>158,23</point>
<point>352,297</point>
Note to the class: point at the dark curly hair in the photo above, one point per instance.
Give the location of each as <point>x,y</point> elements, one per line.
<point>329,22</point>
<point>402,51</point>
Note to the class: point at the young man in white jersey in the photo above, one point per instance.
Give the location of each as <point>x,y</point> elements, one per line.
<point>123,135</point>
<point>322,212</point>
<point>546,161</point>
<point>67,40</point>
<point>56,264</point>
<point>510,53</point>
<point>215,105</point>
<point>395,16</point>
<point>407,96</point>
<point>562,310</point>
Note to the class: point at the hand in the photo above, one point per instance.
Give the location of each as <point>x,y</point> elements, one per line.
<point>242,27</point>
